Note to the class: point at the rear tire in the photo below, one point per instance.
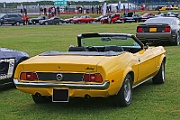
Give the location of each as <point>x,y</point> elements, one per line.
<point>90,22</point>
<point>160,76</point>
<point>34,22</point>
<point>46,23</point>
<point>79,22</point>
<point>177,41</point>
<point>124,96</point>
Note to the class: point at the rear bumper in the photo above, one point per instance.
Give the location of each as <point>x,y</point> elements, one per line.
<point>156,37</point>
<point>103,86</point>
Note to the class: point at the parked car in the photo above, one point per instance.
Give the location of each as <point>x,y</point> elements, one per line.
<point>36,20</point>
<point>146,16</point>
<point>163,8</point>
<point>112,18</point>
<point>52,21</point>
<point>97,19</point>
<point>83,19</point>
<point>131,17</point>
<point>171,14</point>
<point>1,22</point>
<point>70,20</point>
<point>9,59</point>
<point>101,65</point>
<point>13,19</point>
<point>159,30</point>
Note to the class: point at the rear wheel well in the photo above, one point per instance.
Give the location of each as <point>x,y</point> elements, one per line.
<point>132,75</point>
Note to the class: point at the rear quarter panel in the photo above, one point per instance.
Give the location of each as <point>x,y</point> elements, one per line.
<point>116,68</point>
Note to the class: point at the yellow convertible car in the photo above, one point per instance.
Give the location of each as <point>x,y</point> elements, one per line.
<point>106,65</point>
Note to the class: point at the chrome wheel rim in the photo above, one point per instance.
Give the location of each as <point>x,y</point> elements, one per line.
<point>163,72</point>
<point>127,90</point>
<point>17,23</point>
<point>177,39</point>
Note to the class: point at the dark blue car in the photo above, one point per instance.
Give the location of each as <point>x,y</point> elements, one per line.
<point>13,19</point>
<point>9,59</point>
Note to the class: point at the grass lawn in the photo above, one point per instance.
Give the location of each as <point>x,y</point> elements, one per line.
<point>150,102</point>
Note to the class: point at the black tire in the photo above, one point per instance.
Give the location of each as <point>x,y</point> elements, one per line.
<point>177,41</point>
<point>46,23</point>
<point>90,22</point>
<point>38,99</point>
<point>124,96</point>
<point>60,23</point>
<point>17,23</point>
<point>34,22</point>
<point>79,22</point>
<point>160,76</point>
<point>71,22</point>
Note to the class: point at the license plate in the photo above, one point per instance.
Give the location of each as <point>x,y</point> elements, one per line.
<point>60,95</point>
<point>153,29</point>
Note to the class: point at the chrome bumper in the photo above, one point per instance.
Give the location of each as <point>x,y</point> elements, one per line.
<point>103,86</point>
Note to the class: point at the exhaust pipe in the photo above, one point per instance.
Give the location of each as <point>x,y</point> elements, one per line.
<point>87,96</point>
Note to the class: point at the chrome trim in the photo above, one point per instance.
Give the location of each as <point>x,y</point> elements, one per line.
<point>103,86</point>
<point>142,82</point>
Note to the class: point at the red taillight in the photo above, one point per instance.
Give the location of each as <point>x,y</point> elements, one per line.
<point>167,29</point>
<point>139,30</point>
<point>28,76</point>
<point>93,77</point>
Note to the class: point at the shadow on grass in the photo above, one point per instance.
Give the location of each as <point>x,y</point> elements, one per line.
<point>92,103</point>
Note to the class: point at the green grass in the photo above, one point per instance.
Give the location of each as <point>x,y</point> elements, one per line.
<point>150,102</point>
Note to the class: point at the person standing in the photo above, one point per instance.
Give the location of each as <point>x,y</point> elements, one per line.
<point>58,10</point>
<point>45,11</point>
<point>92,9</point>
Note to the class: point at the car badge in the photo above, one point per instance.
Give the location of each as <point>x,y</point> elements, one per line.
<point>59,76</point>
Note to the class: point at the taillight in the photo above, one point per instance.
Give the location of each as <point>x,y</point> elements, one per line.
<point>93,77</point>
<point>167,29</point>
<point>28,76</point>
<point>139,30</point>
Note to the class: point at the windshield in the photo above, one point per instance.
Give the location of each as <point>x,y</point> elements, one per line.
<point>1,15</point>
<point>166,20</point>
<point>109,41</point>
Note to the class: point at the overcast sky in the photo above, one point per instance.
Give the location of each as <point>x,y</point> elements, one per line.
<point>7,1</point>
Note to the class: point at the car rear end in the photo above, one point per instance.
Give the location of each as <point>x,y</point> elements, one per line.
<point>156,32</point>
<point>75,76</point>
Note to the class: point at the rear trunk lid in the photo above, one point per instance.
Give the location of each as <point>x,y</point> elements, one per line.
<point>64,63</point>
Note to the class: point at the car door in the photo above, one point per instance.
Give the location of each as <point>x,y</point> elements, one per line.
<point>87,19</point>
<point>6,68</point>
<point>146,64</point>
<point>56,20</point>
<point>11,19</point>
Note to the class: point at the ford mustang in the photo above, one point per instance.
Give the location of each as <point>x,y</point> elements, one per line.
<point>160,30</point>
<point>106,65</point>
<point>8,62</point>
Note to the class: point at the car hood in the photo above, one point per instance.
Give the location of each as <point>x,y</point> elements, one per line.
<point>68,62</point>
<point>7,53</point>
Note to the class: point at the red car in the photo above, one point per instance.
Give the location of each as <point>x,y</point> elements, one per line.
<point>146,16</point>
<point>83,19</point>
<point>113,18</point>
<point>70,20</point>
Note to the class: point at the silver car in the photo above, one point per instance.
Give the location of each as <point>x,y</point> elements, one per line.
<point>159,30</point>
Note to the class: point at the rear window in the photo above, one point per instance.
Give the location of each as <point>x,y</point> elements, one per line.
<point>160,20</point>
